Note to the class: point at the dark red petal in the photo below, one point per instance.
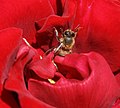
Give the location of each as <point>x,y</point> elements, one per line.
<point>69,8</point>
<point>82,13</point>
<point>10,98</point>
<point>101,29</point>
<point>116,104</point>
<point>28,101</point>
<point>44,68</point>
<point>23,14</point>
<point>78,67</point>
<point>53,21</point>
<point>45,35</point>
<point>16,83</point>
<point>99,90</point>
<point>58,6</point>
<point>3,105</point>
<point>117,76</point>
<point>63,7</point>
<point>10,40</point>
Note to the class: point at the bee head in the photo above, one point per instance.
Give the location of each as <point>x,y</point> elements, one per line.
<point>68,33</point>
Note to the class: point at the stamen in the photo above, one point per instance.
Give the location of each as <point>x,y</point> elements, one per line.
<point>26,41</point>
<point>55,64</point>
<point>51,81</point>
<point>29,44</point>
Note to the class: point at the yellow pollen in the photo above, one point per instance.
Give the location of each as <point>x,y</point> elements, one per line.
<point>51,81</point>
<point>40,57</point>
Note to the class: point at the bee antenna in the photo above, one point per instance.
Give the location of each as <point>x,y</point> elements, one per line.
<point>77,28</point>
<point>61,30</point>
<point>56,34</point>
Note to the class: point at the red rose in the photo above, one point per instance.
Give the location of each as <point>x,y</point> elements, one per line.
<point>30,78</point>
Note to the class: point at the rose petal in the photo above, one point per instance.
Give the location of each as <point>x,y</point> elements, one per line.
<point>28,101</point>
<point>100,30</point>
<point>116,104</point>
<point>100,33</point>
<point>23,14</point>
<point>9,43</point>
<point>82,13</point>
<point>117,76</point>
<point>45,35</point>
<point>69,8</point>
<point>100,89</point>
<point>53,21</point>
<point>16,83</point>
<point>3,105</point>
<point>44,68</point>
<point>58,6</point>
<point>77,68</point>
<point>12,100</point>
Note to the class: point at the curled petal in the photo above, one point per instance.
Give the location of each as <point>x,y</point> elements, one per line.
<point>23,14</point>
<point>77,68</point>
<point>98,89</point>
<point>116,104</point>
<point>12,101</point>
<point>3,105</point>
<point>118,77</point>
<point>45,35</point>
<point>44,68</point>
<point>101,23</point>
<point>52,21</point>
<point>16,75</point>
<point>57,5</point>
<point>10,40</point>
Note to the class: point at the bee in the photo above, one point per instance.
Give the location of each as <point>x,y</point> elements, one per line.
<point>66,41</point>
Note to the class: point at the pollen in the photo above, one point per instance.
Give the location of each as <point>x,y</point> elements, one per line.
<point>51,81</point>
<point>40,57</point>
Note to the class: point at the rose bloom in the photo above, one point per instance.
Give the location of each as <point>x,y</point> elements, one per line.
<point>33,76</point>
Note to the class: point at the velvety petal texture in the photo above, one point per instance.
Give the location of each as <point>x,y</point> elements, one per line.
<point>16,75</point>
<point>33,75</point>
<point>100,33</point>
<point>3,105</point>
<point>79,93</point>
<point>99,20</point>
<point>23,14</point>
<point>10,39</point>
<point>44,68</point>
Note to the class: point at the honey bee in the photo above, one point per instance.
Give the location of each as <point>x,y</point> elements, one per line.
<point>66,41</point>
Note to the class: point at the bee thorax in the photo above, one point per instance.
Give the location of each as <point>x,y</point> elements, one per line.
<point>68,41</point>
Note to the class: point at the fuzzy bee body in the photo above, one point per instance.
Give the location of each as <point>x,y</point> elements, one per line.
<point>66,41</point>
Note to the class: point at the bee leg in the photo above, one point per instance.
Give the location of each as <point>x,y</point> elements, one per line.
<point>57,49</point>
<point>70,51</point>
<point>56,34</point>
<point>61,30</point>
<point>49,50</point>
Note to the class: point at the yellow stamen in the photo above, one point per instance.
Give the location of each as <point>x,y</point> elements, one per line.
<point>51,81</point>
<point>40,57</point>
